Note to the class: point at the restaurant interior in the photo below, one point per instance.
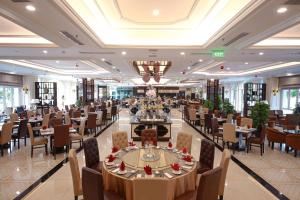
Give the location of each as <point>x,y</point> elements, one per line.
<point>150,100</point>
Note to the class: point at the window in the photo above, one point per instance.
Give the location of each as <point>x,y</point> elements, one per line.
<point>289,99</point>
<point>9,97</point>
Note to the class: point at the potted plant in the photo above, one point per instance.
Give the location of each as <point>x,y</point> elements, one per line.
<point>209,104</point>
<point>228,108</point>
<point>259,114</point>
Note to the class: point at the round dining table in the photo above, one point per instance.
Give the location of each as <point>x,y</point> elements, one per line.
<point>160,160</point>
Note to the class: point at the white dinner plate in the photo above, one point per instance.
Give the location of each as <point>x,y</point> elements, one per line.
<point>176,172</point>
<point>122,172</point>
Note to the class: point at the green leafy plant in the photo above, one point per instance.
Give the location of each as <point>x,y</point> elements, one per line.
<point>220,103</point>
<point>259,114</point>
<point>209,104</point>
<point>228,108</point>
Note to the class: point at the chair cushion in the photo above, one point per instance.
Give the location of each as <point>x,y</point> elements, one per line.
<point>40,141</point>
<point>191,195</point>
<point>75,136</point>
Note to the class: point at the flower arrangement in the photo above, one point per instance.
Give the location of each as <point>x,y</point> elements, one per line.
<point>151,93</point>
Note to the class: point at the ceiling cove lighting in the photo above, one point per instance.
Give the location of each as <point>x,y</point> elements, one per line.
<point>45,51</point>
<point>139,81</point>
<point>182,53</point>
<point>124,53</point>
<point>30,8</point>
<point>261,53</point>
<point>281,10</point>
<point>47,68</point>
<point>275,66</point>
<point>278,42</point>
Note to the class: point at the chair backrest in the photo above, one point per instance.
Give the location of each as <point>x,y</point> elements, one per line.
<point>71,112</point>
<point>229,118</point>
<point>76,114</point>
<point>46,119</point>
<point>224,165</point>
<point>86,110</point>
<point>29,127</point>
<point>59,115</point>
<point>207,120</point>
<point>91,152</point>
<point>104,115</point>
<point>113,110</point>
<point>92,109</point>
<point>246,122</point>
<point>67,120</point>
<point>5,135</point>
<point>13,117</point>
<point>208,184</point>
<point>207,153</point>
<point>274,135</point>
<point>55,122</point>
<point>82,127</point>
<point>192,114</point>
<point>229,134</point>
<point>120,139</point>
<point>184,140</point>
<point>99,116</point>
<point>149,135</point>
<point>77,186</point>
<point>214,125</point>
<point>293,141</point>
<point>46,111</point>
<point>151,188</point>
<point>67,108</point>
<point>22,129</point>
<point>92,184</point>
<point>61,136</point>
<point>91,121</point>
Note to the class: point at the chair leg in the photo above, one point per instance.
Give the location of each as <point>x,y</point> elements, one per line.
<point>25,141</point>
<point>295,152</point>
<point>221,197</point>
<point>261,149</point>
<point>2,150</point>
<point>31,151</point>
<point>18,143</point>
<point>76,198</point>
<point>46,149</point>
<point>272,145</point>
<point>233,148</point>
<point>54,153</point>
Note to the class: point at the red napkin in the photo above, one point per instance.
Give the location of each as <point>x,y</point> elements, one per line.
<point>111,158</point>
<point>131,144</point>
<point>188,158</point>
<point>44,127</point>
<point>175,166</point>
<point>248,126</point>
<point>184,150</point>
<point>170,145</point>
<point>148,170</point>
<point>114,149</point>
<point>122,166</point>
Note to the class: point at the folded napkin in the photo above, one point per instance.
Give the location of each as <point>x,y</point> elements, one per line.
<point>148,170</point>
<point>111,158</point>
<point>122,166</point>
<point>114,149</point>
<point>184,150</point>
<point>188,158</point>
<point>170,145</point>
<point>168,175</point>
<point>175,166</point>
<point>131,144</point>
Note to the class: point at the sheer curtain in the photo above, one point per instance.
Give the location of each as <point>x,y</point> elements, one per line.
<point>9,97</point>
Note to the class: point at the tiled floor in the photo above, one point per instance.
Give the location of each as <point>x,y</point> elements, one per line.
<point>278,168</point>
<point>239,184</point>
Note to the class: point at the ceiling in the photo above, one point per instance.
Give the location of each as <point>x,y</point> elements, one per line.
<point>101,38</point>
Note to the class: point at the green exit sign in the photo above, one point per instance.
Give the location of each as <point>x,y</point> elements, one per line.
<point>218,53</point>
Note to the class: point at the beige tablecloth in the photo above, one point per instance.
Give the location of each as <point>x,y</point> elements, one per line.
<point>124,186</point>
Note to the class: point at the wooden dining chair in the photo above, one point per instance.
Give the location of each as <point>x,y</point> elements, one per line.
<point>184,140</point>
<point>20,133</point>
<point>215,130</point>
<point>78,137</point>
<point>91,123</point>
<point>150,136</point>
<point>13,117</point>
<point>246,122</point>
<point>37,142</point>
<point>224,163</point>
<point>120,139</point>
<point>229,135</point>
<point>257,141</point>
<point>91,154</point>
<point>99,122</point>
<point>5,136</point>
<point>77,183</point>
<point>207,156</point>
<point>45,123</point>
<point>61,138</point>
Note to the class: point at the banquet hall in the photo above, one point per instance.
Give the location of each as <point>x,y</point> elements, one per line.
<point>150,100</point>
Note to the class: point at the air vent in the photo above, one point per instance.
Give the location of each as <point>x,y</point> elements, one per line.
<point>292,2</point>
<point>239,36</point>
<point>109,63</point>
<point>200,54</point>
<point>70,37</point>
<point>153,50</point>
<point>96,52</point>
<point>20,1</point>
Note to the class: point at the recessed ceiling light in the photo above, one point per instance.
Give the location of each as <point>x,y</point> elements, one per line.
<point>200,60</point>
<point>289,74</point>
<point>30,8</point>
<point>124,53</point>
<point>17,192</point>
<point>261,53</point>
<point>45,51</point>
<point>189,67</point>
<point>246,63</point>
<point>155,12</point>
<point>103,59</point>
<point>281,10</point>
<point>228,68</point>
<point>57,61</point>
<point>114,67</point>
<point>182,53</point>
